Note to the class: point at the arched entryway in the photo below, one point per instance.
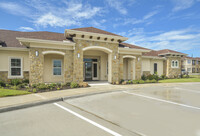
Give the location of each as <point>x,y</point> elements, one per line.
<point>53,67</point>
<point>97,64</point>
<point>129,67</point>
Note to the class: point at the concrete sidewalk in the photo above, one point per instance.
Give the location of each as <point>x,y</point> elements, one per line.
<point>38,97</point>
<point>45,96</point>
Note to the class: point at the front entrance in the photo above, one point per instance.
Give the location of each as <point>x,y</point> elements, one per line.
<point>91,71</point>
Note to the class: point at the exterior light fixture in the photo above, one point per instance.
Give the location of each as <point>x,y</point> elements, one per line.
<point>78,55</point>
<point>36,53</point>
<point>138,59</point>
<point>115,57</point>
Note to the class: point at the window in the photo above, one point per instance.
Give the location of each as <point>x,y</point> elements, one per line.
<point>172,63</point>
<point>155,68</point>
<point>15,67</point>
<point>189,61</point>
<point>57,67</point>
<point>193,62</point>
<point>197,62</point>
<point>175,64</point>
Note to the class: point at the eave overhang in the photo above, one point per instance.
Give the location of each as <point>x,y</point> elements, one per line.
<point>94,36</point>
<point>39,43</point>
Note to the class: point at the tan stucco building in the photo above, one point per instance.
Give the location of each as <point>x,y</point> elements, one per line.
<point>78,55</point>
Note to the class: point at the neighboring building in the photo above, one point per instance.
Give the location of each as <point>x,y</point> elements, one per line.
<point>163,62</point>
<point>190,65</point>
<point>81,54</point>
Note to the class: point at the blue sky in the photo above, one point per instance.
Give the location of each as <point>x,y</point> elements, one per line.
<point>154,24</point>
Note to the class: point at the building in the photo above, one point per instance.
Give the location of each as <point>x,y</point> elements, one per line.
<point>81,54</point>
<point>190,65</point>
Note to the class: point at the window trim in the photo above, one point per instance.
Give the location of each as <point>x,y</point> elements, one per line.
<point>9,71</point>
<point>175,64</point>
<point>53,67</point>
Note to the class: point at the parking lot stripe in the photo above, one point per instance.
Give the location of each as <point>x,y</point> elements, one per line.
<point>161,100</point>
<point>88,120</point>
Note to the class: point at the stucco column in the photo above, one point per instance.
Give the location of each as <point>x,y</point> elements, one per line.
<point>121,67</point>
<point>36,66</point>
<point>78,63</point>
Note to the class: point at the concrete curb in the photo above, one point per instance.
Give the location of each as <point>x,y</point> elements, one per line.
<point>22,106</point>
<point>27,105</point>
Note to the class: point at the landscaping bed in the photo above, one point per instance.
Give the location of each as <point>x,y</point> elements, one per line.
<point>20,87</point>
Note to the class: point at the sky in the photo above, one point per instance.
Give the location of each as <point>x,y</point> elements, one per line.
<point>154,24</point>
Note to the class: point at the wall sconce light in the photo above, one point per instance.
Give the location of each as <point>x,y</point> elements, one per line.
<point>36,53</point>
<point>78,55</point>
<point>115,57</point>
<point>138,59</point>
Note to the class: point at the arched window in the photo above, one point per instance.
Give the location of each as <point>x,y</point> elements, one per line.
<point>176,63</point>
<point>172,63</point>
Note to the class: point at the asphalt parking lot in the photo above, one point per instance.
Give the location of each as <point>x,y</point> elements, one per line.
<point>164,110</point>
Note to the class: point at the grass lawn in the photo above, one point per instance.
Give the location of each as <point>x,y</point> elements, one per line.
<point>9,92</point>
<point>191,79</point>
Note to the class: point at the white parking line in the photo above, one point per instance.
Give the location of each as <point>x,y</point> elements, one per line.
<point>161,100</point>
<point>189,90</point>
<point>88,120</point>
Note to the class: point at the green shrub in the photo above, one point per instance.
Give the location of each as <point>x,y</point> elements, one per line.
<point>2,83</point>
<point>34,85</point>
<point>15,82</point>
<point>15,87</point>
<point>74,85</point>
<point>156,77</point>
<point>58,88</point>
<point>144,77</point>
<point>42,86</point>
<point>68,83</point>
<point>150,77</point>
<point>141,82</point>
<point>134,82</point>
<point>129,82</point>
<point>163,76</point>
<point>187,76</point>
<point>8,86</point>
<point>154,81</point>
<point>25,81</point>
<point>34,90</point>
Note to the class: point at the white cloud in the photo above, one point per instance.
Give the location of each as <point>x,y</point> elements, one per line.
<point>145,19</point>
<point>182,4</point>
<point>43,13</point>
<point>118,5</point>
<point>150,14</point>
<point>182,40</point>
<point>26,29</point>
<point>14,8</point>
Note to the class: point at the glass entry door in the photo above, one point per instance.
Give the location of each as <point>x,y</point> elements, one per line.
<point>88,71</point>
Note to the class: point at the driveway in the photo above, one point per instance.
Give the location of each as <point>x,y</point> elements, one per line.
<point>150,110</point>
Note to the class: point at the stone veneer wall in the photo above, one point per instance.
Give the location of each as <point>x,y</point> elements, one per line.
<point>146,73</point>
<point>4,75</point>
<point>37,65</point>
<point>138,68</point>
<point>78,62</point>
<point>173,72</point>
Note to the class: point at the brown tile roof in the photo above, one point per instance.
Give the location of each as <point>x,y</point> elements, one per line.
<point>156,53</point>
<point>94,30</point>
<point>9,37</point>
<point>131,46</point>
